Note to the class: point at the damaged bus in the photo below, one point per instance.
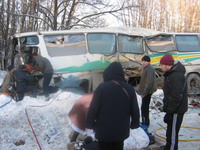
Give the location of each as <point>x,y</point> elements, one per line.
<point>184,47</point>
<point>80,56</point>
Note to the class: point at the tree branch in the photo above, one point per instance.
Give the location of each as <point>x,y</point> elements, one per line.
<point>34,17</point>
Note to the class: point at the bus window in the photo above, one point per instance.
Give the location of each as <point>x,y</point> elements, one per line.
<point>161,43</point>
<point>65,45</point>
<point>130,44</point>
<point>101,43</point>
<point>29,40</point>
<point>186,43</point>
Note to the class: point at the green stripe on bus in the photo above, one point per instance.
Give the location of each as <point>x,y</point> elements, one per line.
<point>161,54</point>
<point>90,66</point>
<point>191,59</point>
<point>174,54</point>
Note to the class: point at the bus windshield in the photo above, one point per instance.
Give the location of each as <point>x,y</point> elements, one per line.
<point>29,40</point>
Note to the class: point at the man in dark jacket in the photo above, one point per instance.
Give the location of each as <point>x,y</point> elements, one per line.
<point>147,87</point>
<point>113,104</point>
<point>47,70</point>
<point>23,85</point>
<point>175,99</point>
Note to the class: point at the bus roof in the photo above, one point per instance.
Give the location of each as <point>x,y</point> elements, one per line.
<point>118,30</point>
<point>172,33</point>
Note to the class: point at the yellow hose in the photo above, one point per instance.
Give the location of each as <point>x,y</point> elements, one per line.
<point>178,140</point>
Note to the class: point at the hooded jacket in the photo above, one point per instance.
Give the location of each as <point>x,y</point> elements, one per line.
<point>175,90</point>
<point>111,108</point>
<point>23,80</point>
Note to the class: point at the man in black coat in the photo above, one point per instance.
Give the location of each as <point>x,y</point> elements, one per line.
<point>175,99</point>
<point>23,80</point>
<point>113,104</point>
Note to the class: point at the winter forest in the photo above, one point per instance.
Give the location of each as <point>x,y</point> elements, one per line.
<point>43,15</point>
<point>42,122</point>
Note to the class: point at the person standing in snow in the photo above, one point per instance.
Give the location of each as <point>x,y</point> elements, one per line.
<point>113,104</point>
<point>147,87</point>
<point>8,85</point>
<point>175,101</point>
<point>47,70</point>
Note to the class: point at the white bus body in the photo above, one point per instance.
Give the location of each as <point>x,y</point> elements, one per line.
<point>85,53</point>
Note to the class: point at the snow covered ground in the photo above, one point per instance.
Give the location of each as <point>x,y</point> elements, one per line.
<point>49,122</point>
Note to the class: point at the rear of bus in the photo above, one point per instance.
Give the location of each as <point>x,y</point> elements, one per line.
<point>184,47</point>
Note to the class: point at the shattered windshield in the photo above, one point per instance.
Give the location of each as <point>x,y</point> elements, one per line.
<point>29,40</point>
<point>130,44</point>
<point>161,43</point>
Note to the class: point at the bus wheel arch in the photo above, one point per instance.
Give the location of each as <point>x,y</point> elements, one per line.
<point>85,85</point>
<point>193,81</point>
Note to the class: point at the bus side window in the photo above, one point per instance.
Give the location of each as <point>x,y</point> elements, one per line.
<point>161,43</point>
<point>187,43</point>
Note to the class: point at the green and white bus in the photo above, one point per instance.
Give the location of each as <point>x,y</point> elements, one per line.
<point>85,53</point>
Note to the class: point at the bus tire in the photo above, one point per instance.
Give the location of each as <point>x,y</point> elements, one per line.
<point>193,82</point>
<point>85,85</point>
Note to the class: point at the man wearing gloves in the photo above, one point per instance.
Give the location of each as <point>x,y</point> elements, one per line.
<point>175,102</point>
<point>147,87</point>
<point>113,104</point>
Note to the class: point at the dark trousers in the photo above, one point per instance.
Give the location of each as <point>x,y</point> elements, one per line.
<point>110,145</point>
<point>21,92</point>
<point>46,82</point>
<point>145,109</point>
<point>174,122</point>
<point>74,136</point>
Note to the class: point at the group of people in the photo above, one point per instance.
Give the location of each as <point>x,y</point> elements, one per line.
<point>19,81</point>
<point>175,101</point>
<point>113,108</point>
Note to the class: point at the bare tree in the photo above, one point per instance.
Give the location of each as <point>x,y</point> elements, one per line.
<point>163,15</point>
<point>39,15</point>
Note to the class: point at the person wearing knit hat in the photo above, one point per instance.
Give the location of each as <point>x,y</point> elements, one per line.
<point>167,60</point>
<point>175,101</point>
<point>146,58</point>
<point>147,87</point>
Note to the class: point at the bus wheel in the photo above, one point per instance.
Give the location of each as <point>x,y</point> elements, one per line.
<point>193,80</point>
<point>85,85</point>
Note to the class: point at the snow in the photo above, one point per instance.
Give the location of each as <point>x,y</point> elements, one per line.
<point>51,126</point>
